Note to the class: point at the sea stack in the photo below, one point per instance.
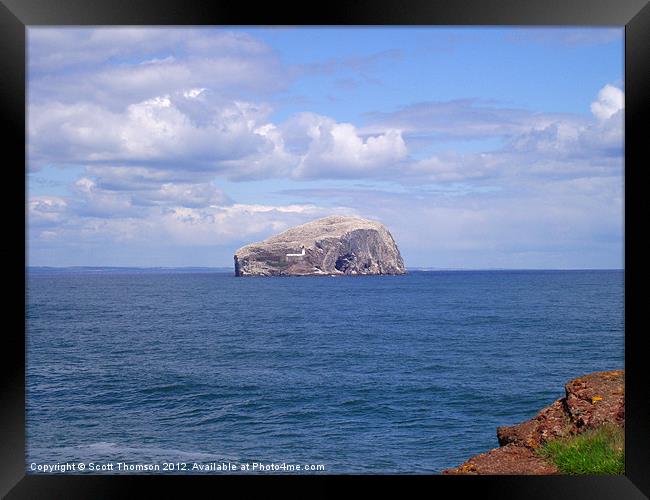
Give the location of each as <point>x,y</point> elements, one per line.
<point>336,245</point>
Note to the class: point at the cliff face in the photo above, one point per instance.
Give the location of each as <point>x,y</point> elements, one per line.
<point>330,246</point>
<point>590,401</point>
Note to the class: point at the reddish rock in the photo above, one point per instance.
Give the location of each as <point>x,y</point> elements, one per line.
<point>509,459</point>
<point>590,401</point>
<point>595,399</point>
<point>551,423</point>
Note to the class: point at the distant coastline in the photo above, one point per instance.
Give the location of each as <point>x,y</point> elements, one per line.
<point>228,269</point>
<point>125,269</point>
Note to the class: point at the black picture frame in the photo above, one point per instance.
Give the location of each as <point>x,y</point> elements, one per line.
<point>634,15</point>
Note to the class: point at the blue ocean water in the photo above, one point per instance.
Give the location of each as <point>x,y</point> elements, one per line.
<point>375,374</point>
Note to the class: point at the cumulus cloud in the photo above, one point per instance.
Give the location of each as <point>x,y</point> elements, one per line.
<point>200,135</point>
<point>167,150</point>
<point>44,211</point>
<point>339,150</point>
<point>599,142</point>
<point>232,139</point>
<point>610,101</point>
<point>535,144</point>
<point>163,131</point>
<point>177,103</point>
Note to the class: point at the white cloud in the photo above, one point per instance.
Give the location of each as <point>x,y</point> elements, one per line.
<point>172,100</point>
<point>53,49</point>
<point>599,142</point>
<point>234,139</point>
<point>135,178</point>
<point>227,224</point>
<point>45,210</point>
<point>54,220</point>
<point>453,167</point>
<point>557,138</point>
<point>459,118</point>
<point>610,101</point>
<point>536,143</point>
<point>509,227</point>
<point>113,194</point>
<point>338,150</point>
<point>116,67</point>
<point>85,185</point>
<point>193,93</point>
<point>159,132</point>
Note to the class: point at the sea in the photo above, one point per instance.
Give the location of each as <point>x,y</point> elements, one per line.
<point>169,371</point>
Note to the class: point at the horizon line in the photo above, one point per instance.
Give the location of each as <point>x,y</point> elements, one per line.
<point>414,268</point>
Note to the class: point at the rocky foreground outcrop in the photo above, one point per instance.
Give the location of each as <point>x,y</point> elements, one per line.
<point>333,245</point>
<point>590,401</point>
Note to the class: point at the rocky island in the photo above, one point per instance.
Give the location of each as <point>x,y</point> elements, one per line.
<point>335,245</point>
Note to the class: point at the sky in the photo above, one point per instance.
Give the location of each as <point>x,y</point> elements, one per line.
<point>478,148</point>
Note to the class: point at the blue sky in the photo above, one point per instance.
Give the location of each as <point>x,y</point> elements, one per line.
<point>477,147</point>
